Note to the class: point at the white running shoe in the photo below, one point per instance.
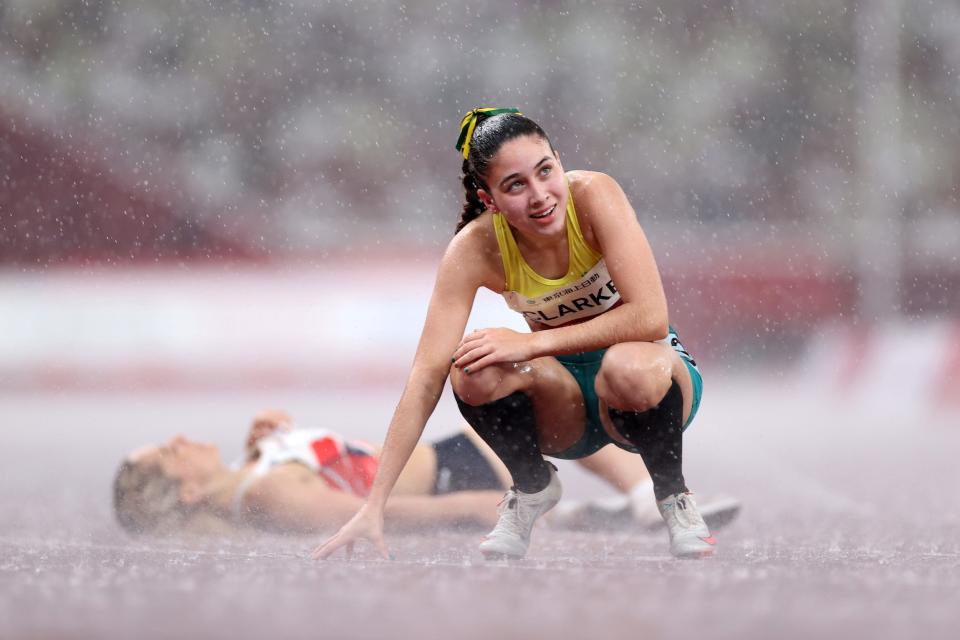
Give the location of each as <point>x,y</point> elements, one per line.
<point>716,511</point>
<point>689,535</point>
<point>518,511</point>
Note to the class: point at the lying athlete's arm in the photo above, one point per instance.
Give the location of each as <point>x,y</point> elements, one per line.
<point>300,502</point>
<point>642,317</point>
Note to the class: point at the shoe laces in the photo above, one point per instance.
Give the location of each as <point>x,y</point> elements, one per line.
<point>685,512</point>
<point>514,514</point>
<point>518,511</point>
<point>507,500</point>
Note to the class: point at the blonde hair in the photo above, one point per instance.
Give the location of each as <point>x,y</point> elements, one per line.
<point>145,500</point>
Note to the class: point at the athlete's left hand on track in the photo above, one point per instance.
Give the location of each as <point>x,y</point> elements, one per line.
<point>491,346</point>
<point>367,524</point>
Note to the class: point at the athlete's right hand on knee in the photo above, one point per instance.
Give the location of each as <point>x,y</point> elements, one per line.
<point>494,345</point>
<point>366,524</point>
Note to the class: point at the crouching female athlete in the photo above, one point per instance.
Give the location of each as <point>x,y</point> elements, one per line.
<point>309,480</point>
<point>601,363</point>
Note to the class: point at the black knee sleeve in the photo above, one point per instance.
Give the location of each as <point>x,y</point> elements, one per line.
<point>509,427</point>
<point>658,435</point>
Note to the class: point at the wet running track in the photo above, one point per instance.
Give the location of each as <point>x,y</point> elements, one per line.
<point>849,529</point>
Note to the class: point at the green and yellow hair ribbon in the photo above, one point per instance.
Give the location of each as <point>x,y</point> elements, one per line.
<point>470,122</point>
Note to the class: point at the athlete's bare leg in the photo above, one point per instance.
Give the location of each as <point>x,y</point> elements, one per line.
<point>620,469</point>
<point>635,376</point>
<point>419,475</point>
<point>556,397</point>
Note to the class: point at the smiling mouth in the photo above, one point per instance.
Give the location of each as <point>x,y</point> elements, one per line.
<point>536,216</point>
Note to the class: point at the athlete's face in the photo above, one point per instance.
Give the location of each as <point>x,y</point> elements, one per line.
<point>182,459</point>
<point>527,185</point>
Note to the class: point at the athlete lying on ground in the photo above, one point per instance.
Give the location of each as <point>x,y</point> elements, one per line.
<point>307,480</point>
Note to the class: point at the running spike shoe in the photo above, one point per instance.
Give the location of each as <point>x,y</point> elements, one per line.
<point>716,510</point>
<point>689,535</point>
<point>518,511</point>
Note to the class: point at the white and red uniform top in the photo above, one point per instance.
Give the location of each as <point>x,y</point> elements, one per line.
<point>345,465</point>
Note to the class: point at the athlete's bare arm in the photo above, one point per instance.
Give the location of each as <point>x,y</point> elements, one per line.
<point>459,276</point>
<point>462,271</point>
<point>292,498</point>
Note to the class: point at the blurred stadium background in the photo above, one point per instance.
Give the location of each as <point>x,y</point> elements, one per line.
<point>230,190</point>
<point>210,207</point>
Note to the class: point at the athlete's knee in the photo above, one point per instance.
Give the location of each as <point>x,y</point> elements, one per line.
<point>480,387</point>
<point>628,381</point>
<point>652,427</point>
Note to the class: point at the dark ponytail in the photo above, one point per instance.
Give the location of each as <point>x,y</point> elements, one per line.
<point>482,134</point>
<point>473,206</point>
